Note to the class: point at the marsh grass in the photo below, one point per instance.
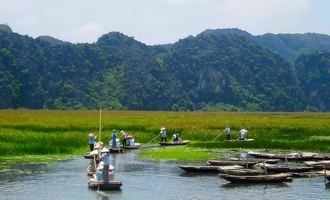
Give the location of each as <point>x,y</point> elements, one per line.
<point>177,153</point>
<point>39,132</point>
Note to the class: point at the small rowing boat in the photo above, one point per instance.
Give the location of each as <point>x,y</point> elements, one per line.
<point>134,146</point>
<point>290,156</point>
<point>223,169</point>
<point>268,161</point>
<point>274,178</point>
<point>111,185</point>
<point>199,169</point>
<point>116,150</point>
<point>283,168</point>
<point>231,162</point>
<point>242,172</point>
<point>183,142</point>
<point>238,140</point>
<point>324,164</point>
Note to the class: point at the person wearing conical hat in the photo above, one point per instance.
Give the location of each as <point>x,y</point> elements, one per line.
<point>162,134</point>
<point>242,134</point>
<point>114,138</point>
<point>106,163</point>
<point>123,137</point>
<point>91,141</point>
<point>227,131</point>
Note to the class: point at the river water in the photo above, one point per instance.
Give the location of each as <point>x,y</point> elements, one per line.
<point>145,180</point>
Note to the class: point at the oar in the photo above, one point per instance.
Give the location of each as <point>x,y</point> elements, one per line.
<point>153,139</point>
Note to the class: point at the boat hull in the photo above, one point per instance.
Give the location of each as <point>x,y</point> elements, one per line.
<point>111,185</point>
<point>277,178</point>
<point>116,150</point>
<point>184,142</point>
<point>199,169</point>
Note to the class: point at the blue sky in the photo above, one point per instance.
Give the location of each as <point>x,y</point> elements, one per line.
<point>161,21</point>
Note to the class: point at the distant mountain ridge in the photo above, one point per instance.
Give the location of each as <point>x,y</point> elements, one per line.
<point>222,69</point>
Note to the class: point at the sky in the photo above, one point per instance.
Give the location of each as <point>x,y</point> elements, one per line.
<point>161,21</point>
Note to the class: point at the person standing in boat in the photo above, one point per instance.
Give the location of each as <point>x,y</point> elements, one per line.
<point>227,131</point>
<point>91,141</point>
<point>163,134</point>
<point>124,138</point>
<point>114,139</point>
<point>106,163</point>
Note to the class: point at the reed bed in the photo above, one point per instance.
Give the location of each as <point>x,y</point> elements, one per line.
<point>35,132</point>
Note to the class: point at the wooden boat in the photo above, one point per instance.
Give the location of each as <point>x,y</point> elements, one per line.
<point>325,164</point>
<point>231,162</point>
<point>90,155</point>
<point>183,142</point>
<point>135,146</point>
<point>274,178</point>
<point>238,140</point>
<point>116,150</point>
<point>199,169</point>
<point>268,161</point>
<point>290,156</point>
<point>223,169</point>
<point>283,168</point>
<point>242,172</point>
<point>111,185</point>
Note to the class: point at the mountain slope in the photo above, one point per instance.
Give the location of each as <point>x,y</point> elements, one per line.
<point>225,69</point>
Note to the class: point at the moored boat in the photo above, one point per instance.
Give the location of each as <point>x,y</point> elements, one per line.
<point>111,185</point>
<point>274,178</point>
<point>242,172</point>
<point>290,156</point>
<point>223,169</point>
<point>283,168</point>
<point>199,169</point>
<point>245,163</point>
<point>183,142</point>
<point>268,161</point>
<point>324,164</point>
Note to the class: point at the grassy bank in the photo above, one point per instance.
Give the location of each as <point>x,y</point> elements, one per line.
<point>29,132</point>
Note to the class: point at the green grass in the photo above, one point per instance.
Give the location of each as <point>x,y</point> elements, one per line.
<point>43,132</point>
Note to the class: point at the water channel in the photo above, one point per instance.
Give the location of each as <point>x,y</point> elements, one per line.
<point>145,180</point>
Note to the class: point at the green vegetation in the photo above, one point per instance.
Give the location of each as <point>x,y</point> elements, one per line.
<point>217,70</point>
<point>30,132</point>
<point>177,153</point>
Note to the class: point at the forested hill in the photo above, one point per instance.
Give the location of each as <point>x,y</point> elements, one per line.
<point>226,69</point>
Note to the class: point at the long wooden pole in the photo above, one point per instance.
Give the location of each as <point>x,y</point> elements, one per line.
<point>153,139</point>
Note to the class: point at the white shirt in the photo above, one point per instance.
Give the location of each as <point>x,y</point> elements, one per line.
<point>163,133</point>
<point>106,158</point>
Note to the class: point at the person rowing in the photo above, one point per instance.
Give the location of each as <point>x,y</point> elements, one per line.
<point>91,141</point>
<point>124,138</point>
<point>162,134</point>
